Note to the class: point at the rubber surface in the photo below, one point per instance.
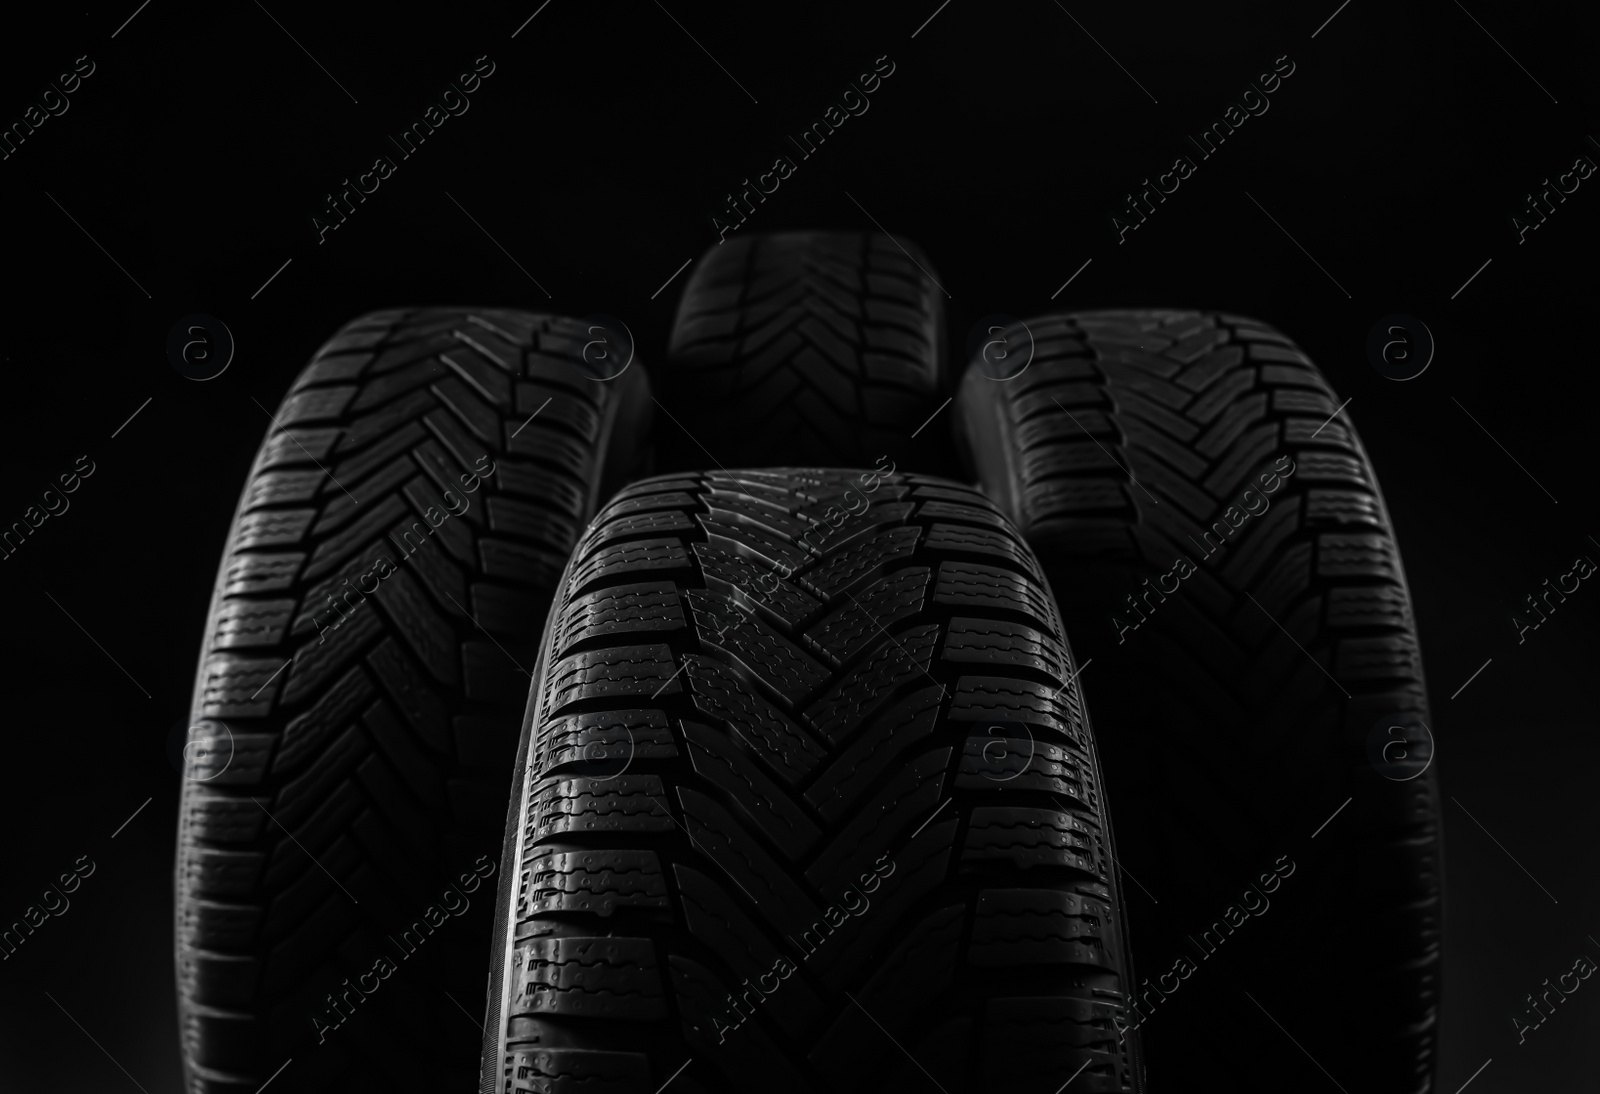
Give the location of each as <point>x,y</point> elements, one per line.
<point>820,348</point>
<point>349,766</point>
<point>808,801</point>
<point>1235,704</point>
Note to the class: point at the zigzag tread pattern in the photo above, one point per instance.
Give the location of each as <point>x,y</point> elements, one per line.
<point>1220,547</point>
<point>822,345</point>
<point>359,690</point>
<point>800,814</point>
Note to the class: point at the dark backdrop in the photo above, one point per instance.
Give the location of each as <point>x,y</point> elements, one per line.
<point>198,150</point>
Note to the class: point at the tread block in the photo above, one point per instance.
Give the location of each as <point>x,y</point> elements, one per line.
<point>611,674</point>
<point>862,524</point>
<point>862,559</point>
<point>218,818</point>
<point>422,707</point>
<point>641,556</point>
<point>961,509</point>
<point>1001,699</point>
<point>296,445</point>
<point>955,539</point>
<point>313,790</point>
<point>729,573</point>
<point>235,686</point>
<point>859,620</point>
<point>601,745</point>
<point>651,606</point>
<point>246,574</point>
<point>332,368</point>
<point>635,526</point>
<point>581,881</point>
<point>1366,555</point>
<point>1369,606</point>
<point>891,664</point>
<point>560,1070</point>
<point>359,534</point>
<point>1344,507</point>
<point>399,381</point>
<point>384,480</point>
<point>1040,927</point>
<point>229,758</point>
<point>626,803</point>
<point>741,509</point>
<point>213,871</point>
<point>244,623</point>
<point>721,692</point>
<point>314,405</point>
<point>717,835</point>
<point>482,369</point>
<point>771,811</point>
<point>972,585</point>
<point>907,798</point>
<point>865,762</point>
<point>636,502</point>
<point>587,977</point>
<point>380,422</point>
<point>307,733</point>
<point>763,548</point>
<point>653,485</point>
<point>212,924</point>
<point>315,663</point>
<point>394,448</point>
<point>998,642</point>
<point>1025,837</point>
<point>764,653</point>
<point>275,528</point>
<point>425,630</point>
<point>282,488</point>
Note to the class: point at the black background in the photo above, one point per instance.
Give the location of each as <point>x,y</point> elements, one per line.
<point>595,154</point>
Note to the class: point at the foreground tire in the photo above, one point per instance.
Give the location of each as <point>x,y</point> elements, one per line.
<point>810,806</point>
<point>1237,703</point>
<point>359,694</point>
<point>821,348</point>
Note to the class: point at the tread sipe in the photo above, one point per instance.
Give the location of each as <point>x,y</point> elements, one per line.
<point>823,348</point>
<point>349,765</point>
<point>807,801</point>
<point>1236,713</point>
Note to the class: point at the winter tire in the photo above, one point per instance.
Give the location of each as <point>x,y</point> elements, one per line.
<point>359,693</point>
<point>806,801</point>
<point>1237,692</point>
<point>822,348</point>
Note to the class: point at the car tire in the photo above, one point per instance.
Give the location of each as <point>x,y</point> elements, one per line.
<point>806,348</point>
<point>1242,696</point>
<point>807,801</point>
<point>354,723</point>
